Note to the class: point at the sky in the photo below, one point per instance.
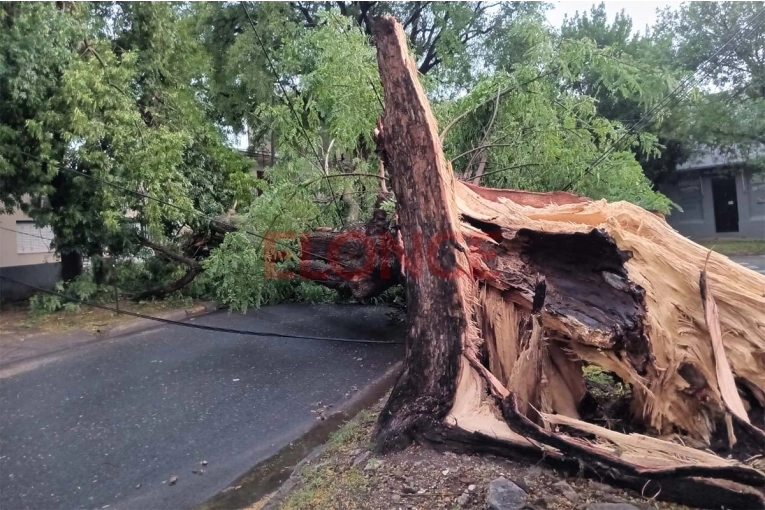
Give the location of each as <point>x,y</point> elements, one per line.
<point>642,13</point>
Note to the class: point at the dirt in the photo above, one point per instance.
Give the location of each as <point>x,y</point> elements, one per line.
<point>16,319</point>
<point>349,475</point>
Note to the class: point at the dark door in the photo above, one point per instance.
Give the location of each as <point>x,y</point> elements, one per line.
<point>726,205</point>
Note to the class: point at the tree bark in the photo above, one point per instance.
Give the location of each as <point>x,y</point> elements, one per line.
<point>71,265</point>
<point>362,260</point>
<point>438,308</point>
<point>512,294</point>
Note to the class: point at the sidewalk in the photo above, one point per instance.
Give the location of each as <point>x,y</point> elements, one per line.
<point>17,346</point>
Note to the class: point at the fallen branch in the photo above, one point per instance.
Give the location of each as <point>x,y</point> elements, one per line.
<point>194,269</point>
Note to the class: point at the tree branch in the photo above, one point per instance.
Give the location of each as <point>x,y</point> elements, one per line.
<point>194,268</point>
<point>310,22</point>
<point>167,252</point>
<point>485,136</point>
<point>509,89</point>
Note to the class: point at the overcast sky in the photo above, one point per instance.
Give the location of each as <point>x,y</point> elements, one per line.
<point>642,13</point>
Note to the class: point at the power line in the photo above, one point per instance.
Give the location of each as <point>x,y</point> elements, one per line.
<point>676,95</point>
<point>193,325</point>
<point>27,234</point>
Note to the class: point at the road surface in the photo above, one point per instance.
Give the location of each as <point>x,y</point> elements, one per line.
<point>110,423</point>
<point>753,262</point>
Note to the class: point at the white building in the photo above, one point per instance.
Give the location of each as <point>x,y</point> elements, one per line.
<point>25,255</point>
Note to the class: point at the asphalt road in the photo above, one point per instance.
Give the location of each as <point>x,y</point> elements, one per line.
<point>753,262</point>
<point>106,425</point>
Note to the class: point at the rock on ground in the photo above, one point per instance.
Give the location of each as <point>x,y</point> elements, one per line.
<point>568,492</point>
<point>505,495</point>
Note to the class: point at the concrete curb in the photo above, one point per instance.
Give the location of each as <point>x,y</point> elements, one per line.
<point>11,365</point>
<point>281,471</point>
<point>140,325</point>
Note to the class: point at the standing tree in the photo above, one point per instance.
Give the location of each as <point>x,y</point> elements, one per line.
<point>111,93</point>
<point>650,54</point>
<point>726,39</point>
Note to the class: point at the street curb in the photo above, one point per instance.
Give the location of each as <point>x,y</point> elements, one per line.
<point>140,325</point>
<point>280,471</point>
<point>135,326</point>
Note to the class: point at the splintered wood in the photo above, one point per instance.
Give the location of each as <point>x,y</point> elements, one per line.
<point>539,287</point>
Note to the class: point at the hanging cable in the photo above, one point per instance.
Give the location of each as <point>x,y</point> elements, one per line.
<point>193,325</point>
<point>27,234</point>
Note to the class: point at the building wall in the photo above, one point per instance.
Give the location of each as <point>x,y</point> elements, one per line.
<point>25,257</point>
<point>692,190</point>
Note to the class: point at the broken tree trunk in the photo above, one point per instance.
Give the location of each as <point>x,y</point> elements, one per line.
<point>361,260</point>
<point>511,295</point>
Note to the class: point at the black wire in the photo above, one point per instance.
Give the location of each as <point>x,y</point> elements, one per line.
<point>291,107</point>
<point>197,326</point>
<point>28,234</point>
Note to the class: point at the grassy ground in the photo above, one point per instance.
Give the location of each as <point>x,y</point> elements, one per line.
<point>348,475</point>
<point>735,247</point>
<point>18,319</point>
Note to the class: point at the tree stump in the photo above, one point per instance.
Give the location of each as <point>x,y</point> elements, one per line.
<point>513,297</point>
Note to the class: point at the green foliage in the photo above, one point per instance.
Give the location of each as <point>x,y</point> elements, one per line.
<point>727,113</point>
<point>236,269</point>
<point>394,295</point>
<point>115,91</point>
<point>328,120</point>
<point>82,288</point>
<point>546,134</point>
<point>310,292</point>
<point>42,304</point>
<point>605,386</point>
<point>650,54</point>
<point>146,95</point>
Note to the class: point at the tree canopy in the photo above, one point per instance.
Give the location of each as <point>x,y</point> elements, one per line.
<point>118,120</point>
<point>727,40</point>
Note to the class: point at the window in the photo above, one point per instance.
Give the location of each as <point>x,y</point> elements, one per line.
<point>30,239</point>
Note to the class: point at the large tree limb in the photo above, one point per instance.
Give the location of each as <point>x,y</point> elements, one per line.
<point>362,259</point>
<point>194,269</point>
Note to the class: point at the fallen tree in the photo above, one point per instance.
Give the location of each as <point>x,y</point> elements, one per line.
<point>512,295</point>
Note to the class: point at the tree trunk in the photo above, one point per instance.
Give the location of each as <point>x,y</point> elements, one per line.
<point>361,260</point>
<point>513,297</point>
<point>71,265</point>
